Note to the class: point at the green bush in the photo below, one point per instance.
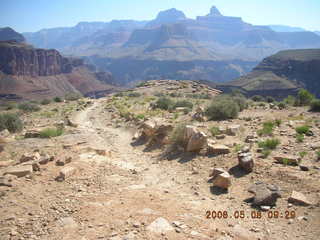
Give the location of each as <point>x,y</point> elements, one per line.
<point>73,96</point>
<point>267,129</point>
<point>269,144</point>
<point>290,100</point>
<point>318,155</point>
<point>258,98</point>
<point>183,103</point>
<point>315,105</point>
<point>304,98</point>
<point>177,135</point>
<point>28,107</point>
<point>45,101</point>
<point>282,105</point>
<point>222,108</point>
<point>278,122</point>
<point>299,138</point>
<point>9,105</point>
<point>303,129</point>
<point>302,154</point>
<point>214,131</point>
<point>11,122</point>
<point>241,101</point>
<point>164,103</point>
<point>51,132</point>
<point>270,99</point>
<point>57,99</point>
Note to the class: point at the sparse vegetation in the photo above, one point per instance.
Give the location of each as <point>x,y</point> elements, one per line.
<point>45,102</point>
<point>134,94</point>
<point>282,105</point>
<point>267,129</point>
<point>290,100</point>
<point>177,135</point>
<point>51,132</point>
<point>257,98</point>
<point>164,103</point>
<point>11,122</point>
<point>299,138</point>
<point>315,105</point>
<point>302,154</point>
<point>28,107</point>
<point>270,99</point>
<point>214,131</point>
<point>57,99</point>
<point>271,143</point>
<point>241,101</point>
<point>222,108</point>
<point>303,129</point>
<point>318,155</point>
<point>184,103</point>
<point>278,122</point>
<point>304,98</point>
<point>73,96</point>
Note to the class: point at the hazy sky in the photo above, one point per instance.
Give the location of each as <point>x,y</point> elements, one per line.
<point>33,15</point>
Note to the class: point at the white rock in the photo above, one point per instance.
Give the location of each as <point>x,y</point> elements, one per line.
<point>160,225</point>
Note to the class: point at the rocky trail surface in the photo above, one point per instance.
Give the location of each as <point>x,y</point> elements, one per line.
<point>118,190</point>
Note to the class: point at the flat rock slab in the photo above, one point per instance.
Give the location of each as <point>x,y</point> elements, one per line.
<point>19,171</point>
<point>160,225</point>
<point>265,194</point>
<point>298,198</point>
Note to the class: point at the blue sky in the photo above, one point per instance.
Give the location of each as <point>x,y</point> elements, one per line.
<point>33,15</point>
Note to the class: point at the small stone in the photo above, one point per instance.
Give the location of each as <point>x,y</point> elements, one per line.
<point>265,208</point>
<point>66,172</point>
<point>218,149</point>
<point>160,225</point>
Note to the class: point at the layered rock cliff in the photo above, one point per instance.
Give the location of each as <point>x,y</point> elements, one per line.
<point>30,73</point>
<point>283,73</point>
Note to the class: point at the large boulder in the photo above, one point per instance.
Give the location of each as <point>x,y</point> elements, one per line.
<point>265,194</point>
<point>246,161</point>
<point>149,128</point>
<point>197,142</point>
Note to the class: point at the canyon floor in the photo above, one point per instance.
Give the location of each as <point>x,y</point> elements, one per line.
<point>122,190</point>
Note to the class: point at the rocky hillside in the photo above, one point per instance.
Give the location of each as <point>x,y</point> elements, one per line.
<point>283,73</point>
<point>7,34</point>
<point>219,48</point>
<point>148,164</point>
<point>27,72</point>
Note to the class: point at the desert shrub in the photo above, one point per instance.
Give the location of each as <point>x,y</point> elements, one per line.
<point>315,105</point>
<point>45,101</point>
<point>258,98</point>
<point>270,99</point>
<point>304,98</point>
<point>290,100</point>
<point>303,129</point>
<point>222,108</point>
<point>9,105</point>
<point>177,135</point>
<point>266,153</point>
<point>119,94</point>
<point>241,101</point>
<point>134,94</point>
<point>164,103</point>
<point>318,155</point>
<point>174,94</point>
<point>159,94</point>
<point>11,122</point>
<point>142,84</point>
<point>28,107</point>
<point>299,138</point>
<point>278,122</point>
<point>267,129</point>
<point>73,96</point>
<point>269,144</point>
<point>282,105</point>
<point>302,154</point>
<point>183,103</point>
<point>51,132</point>
<point>57,99</point>
<point>214,131</point>
<point>140,116</point>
